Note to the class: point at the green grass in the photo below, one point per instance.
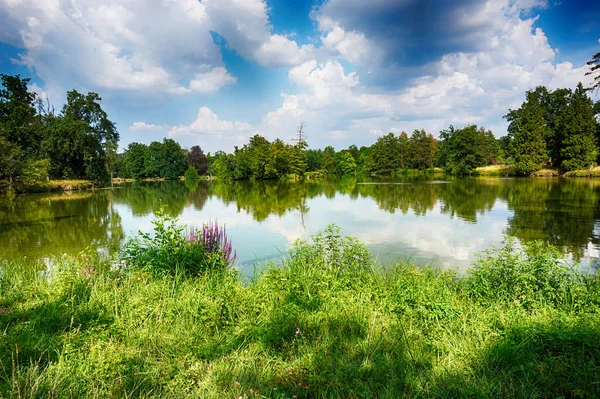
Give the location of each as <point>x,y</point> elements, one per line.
<point>323,323</point>
<point>592,172</point>
<point>495,170</point>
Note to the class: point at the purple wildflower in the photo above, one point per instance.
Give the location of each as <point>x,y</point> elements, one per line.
<point>214,239</point>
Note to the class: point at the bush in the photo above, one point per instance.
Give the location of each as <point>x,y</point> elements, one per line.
<point>171,249</point>
<point>191,174</point>
<point>535,274</point>
<point>332,252</point>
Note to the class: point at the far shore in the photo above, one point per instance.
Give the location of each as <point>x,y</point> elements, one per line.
<point>486,171</point>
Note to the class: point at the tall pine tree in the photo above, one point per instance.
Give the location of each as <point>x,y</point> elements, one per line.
<point>526,131</point>
<point>578,147</point>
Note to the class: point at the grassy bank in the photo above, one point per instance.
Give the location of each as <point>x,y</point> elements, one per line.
<point>592,172</point>
<point>326,322</point>
<point>506,170</point>
<point>51,185</point>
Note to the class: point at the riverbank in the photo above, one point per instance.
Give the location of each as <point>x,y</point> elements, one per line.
<point>326,322</point>
<point>509,171</point>
<point>51,185</point>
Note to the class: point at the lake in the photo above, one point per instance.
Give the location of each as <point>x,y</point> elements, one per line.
<point>444,223</point>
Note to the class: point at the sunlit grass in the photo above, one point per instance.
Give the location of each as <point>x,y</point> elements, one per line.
<point>495,170</point>
<point>325,322</point>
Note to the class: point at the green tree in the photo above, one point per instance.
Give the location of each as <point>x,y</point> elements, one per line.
<point>460,152</point>
<point>297,158</point>
<point>404,150</point>
<point>328,162</point>
<point>314,160</point>
<point>135,157</point>
<point>578,145</point>
<point>65,145</point>
<point>165,160</point>
<point>90,131</point>
<point>277,164</point>
<point>11,161</point>
<point>21,125</point>
<point>257,153</point>
<point>385,156</point>
<point>423,149</point>
<point>346,163</point>
<point>191,173</point>
<point>526,132</point>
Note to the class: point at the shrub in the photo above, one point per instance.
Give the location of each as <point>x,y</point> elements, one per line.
<point>330,251</point>
<point>191,174</point>
<point>534,274</point>
<point>169,249</point>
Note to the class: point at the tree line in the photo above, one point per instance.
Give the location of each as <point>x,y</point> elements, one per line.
<point>558,129</point>
<point>79,142</point>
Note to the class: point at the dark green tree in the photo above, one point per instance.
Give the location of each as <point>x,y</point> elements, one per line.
<point>135,158</point>
<point>164,160</point>
<point>21,124</point>
<point>84,122</point>
<point>459,152</point>
<point>313,160</point>
<point>328,162</point>
<point>385,156</point>
<point>423,148</point>
<point>66,144</point>
<point>526,132</point>
<point>578,145</point>
<point>11,161</point>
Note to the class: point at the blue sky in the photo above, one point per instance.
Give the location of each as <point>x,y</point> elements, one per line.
<point>215,72</point>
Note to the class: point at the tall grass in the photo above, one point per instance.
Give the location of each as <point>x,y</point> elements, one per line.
<point>324,323</point>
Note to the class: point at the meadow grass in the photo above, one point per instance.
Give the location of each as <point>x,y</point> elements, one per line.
<point>591,172</point>
<point>326,322</point>
<point>495,170</point>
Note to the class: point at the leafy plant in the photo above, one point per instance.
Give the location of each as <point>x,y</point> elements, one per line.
<point>534,274</point>
<point>191,174</point>
<point>169,249</point>
<point>330,251</point>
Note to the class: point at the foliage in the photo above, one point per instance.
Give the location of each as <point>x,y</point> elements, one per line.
<point>578,147</point>
<point>35,171</point>
<point>79,143</point>
<point>164,159</point>
<point>567,127</point>
<point>423,148</point>
<point>323,324</point>
<point>134,159</point>
<point>392,153</point>
<point>526,133</point>
<point>168,250</point>
<point>195,158</point>
<point>533,276</point>
<point>11,161</point>
<point>191,174</point>
<point>466,149</point>
<point>330,251</point>
<point>594,64</point>
<point>346,163</point>
<point>21,125</point>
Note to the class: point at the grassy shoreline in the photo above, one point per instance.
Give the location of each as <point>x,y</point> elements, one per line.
<point>325,322</point>
<point>486,171</point>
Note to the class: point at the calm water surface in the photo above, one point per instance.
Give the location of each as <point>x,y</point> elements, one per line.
<point>440,222</point>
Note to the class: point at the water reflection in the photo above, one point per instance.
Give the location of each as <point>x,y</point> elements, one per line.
<point>50,225</point>
<point>445,222</point>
